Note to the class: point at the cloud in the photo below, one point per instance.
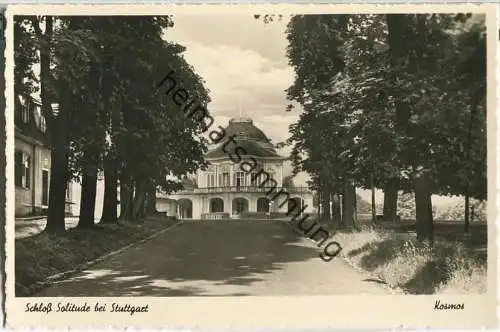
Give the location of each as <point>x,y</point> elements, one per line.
<point>242,31</point>
<point>233,74</point>
<point>243,62</point>
<point>244,82</point>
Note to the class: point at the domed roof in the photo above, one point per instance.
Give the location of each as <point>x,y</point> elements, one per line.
<point>248,137</point>
<point>244,127</point>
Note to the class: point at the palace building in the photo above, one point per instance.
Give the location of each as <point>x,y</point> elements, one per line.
<point>228,189</point>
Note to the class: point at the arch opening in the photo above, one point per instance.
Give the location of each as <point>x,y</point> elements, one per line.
<point>216,205</point>
<point>185,208</point>
<point>263,204</point>
<point>240,205</point>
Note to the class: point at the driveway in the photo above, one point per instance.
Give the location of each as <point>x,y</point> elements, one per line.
<point>219,258</point>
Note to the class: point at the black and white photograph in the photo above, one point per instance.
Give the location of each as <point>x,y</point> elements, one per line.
<point>249,154</point>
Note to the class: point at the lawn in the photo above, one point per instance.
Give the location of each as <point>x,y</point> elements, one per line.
<point>455,264</point>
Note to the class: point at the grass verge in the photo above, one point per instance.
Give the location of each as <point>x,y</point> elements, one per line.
<point>41,256</point>
<point>401,262</point>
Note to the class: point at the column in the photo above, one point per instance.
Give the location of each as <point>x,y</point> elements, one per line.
<point>216,183</point>
<point>231,175</point>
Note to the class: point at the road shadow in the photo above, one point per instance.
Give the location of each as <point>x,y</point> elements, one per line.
<point>193,260</point>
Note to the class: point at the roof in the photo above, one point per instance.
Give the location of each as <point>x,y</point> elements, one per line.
<point>30,129</point>
<point>248,137</point>
<point>245,127</point>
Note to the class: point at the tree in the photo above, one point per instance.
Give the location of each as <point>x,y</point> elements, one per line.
<point>56,128</point>
<point>381,107</point>
<point>103,74</point>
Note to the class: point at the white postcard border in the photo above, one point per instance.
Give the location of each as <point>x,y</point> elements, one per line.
<point>355,311</point>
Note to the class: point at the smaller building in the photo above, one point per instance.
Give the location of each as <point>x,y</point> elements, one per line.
<point>32,160</point>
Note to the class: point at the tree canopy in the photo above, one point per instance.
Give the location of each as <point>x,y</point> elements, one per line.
<point>390,97</point>
<point>102,72</point>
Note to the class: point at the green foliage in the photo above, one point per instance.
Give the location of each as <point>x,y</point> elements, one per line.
<point>104,72</point>
<point>25,47</point>
<point>387,95</point>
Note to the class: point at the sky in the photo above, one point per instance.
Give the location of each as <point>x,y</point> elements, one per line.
<point>240,58</point>
<point>244,65</point>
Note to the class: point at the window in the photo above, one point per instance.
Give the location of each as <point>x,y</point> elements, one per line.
<point>240,205</point>
<point>22,169</point>
<point>225,180</point>
<point>43,122</point>
<point>45,187</point>
<point>239,179</point>
<point>271,172</point>
<point>211,180</point>
<point>37,115</point>
<point>216,205</point>
<point>68,192</point>
<point>224,176</point>
<point>25,115</point>
<point>263,205</point>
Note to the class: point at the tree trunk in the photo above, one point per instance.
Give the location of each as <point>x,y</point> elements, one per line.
<point>57,190</point>
<point>374,209</point>
<point>336,208</point>
<point>151,204</point>
<point>391,199</point>
<point>466,212</point>
<point>138,202</point>
<point>110,202</point>
<point>89,189</point>
<point>342,209</point>
<point>423,208</point>
<point>319,205</point>
<point>126,197</point>
<point>474,109</point>
<point>325,203</point>
<point>57,134</point>
<point>355,219</point>
<point>349,206</point>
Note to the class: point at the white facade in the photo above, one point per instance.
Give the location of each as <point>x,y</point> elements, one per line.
<point>228,190</point>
